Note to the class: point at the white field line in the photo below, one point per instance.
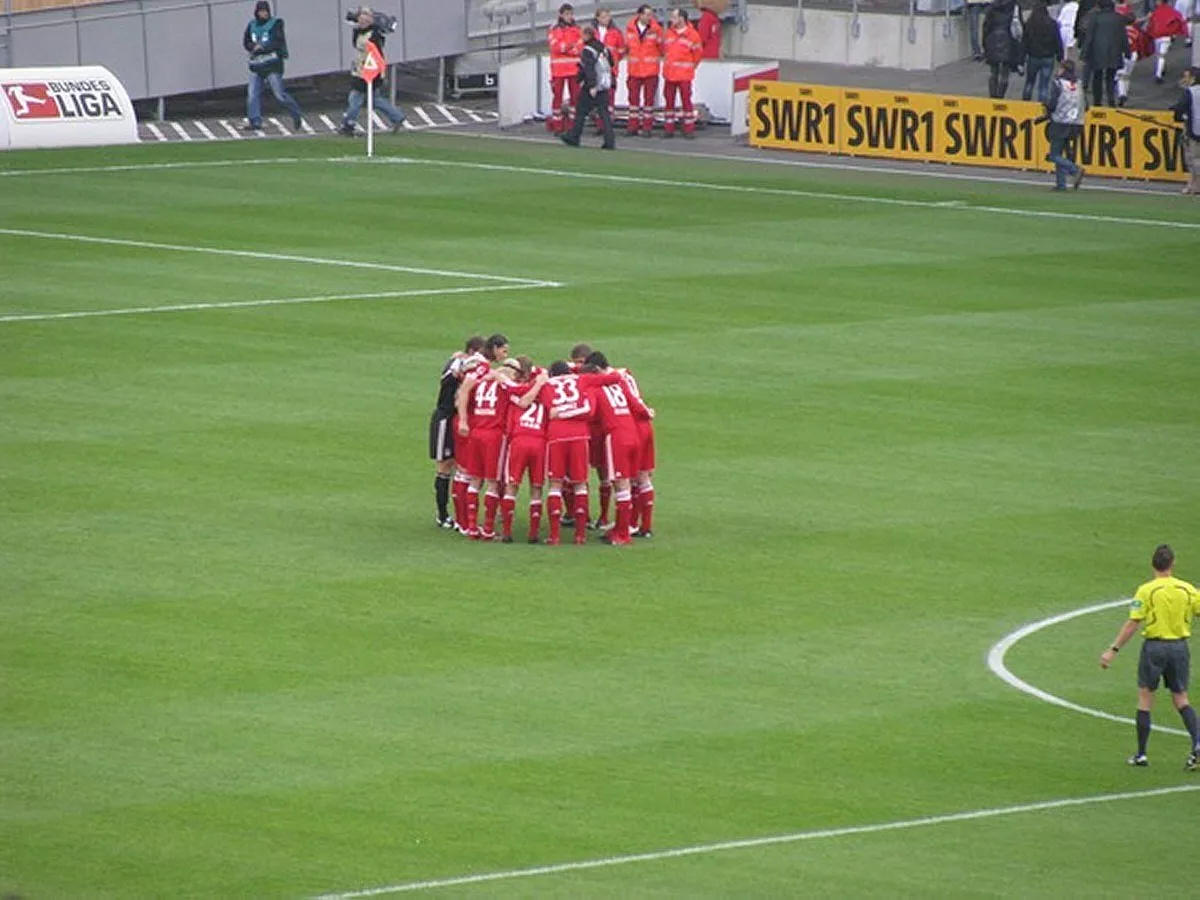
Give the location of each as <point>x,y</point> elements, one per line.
<point>861,164</point>
<point>283,301</point>
<point>951,206</point>
<point>995,662</point>
<point>749,843</point>
<point>152,167</point>
<point>278,257</point>
<point>786,192</point>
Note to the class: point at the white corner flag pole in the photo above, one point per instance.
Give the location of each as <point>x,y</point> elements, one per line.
<point>370,118</point>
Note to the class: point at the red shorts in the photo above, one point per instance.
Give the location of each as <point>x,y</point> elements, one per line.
<point>646,448</point>
<point>487,448</point>
<point>567,458</point>
<point>526,455</point>
<point>622,453</point>
<point>597,458</point>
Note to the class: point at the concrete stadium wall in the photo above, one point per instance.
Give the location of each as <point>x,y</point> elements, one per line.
<point>829,36</point>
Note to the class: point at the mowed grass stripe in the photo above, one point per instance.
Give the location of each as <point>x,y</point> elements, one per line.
<point>239,658</point>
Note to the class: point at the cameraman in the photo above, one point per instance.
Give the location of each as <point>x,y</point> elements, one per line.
<point>265,42</point>
<point>367,27</point>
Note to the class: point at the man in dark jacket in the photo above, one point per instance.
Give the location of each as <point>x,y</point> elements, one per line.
<point>1043,48</point>
<point>999,48</point>
<point>596,74</point>
<point>266,44</point>
<point>1187,111</point>
<point>1105,46</point>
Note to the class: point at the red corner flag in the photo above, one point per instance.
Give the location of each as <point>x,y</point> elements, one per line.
<point>372,66</point>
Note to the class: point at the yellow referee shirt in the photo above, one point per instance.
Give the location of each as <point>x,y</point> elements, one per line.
<point>1166,607</point>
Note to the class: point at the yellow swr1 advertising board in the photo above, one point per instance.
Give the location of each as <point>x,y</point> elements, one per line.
<point>959,130</point>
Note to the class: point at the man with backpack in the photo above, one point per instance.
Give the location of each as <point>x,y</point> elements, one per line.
<point>596,78</point>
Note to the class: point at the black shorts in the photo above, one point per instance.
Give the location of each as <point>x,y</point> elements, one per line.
<point>1166,660</point>
<point>441,436</point>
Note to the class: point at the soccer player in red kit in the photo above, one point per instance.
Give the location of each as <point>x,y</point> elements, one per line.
<point>526,455</point>
<point>567,396</point>
<point>617,408</point>
<point>643,487</point>
<point>482,410</point>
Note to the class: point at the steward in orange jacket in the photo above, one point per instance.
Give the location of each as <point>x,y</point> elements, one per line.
<point>643,42</point>
<point>681,53</point>
<point>566,43</point>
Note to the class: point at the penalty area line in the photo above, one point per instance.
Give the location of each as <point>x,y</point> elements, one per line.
<point>282,301</point>
<point>750,843</point>
<point>996,663</point>
<point>274,257</point>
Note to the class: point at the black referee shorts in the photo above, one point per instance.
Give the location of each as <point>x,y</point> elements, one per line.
<point>1169,661</point>
<point>441,436</point>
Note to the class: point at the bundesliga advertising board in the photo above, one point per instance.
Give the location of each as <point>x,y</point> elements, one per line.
<point>961,130</point>
<point>64,107</point>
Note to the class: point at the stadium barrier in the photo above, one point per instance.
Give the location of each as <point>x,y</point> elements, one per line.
<point>65,106</point>
<point>1118,143</point>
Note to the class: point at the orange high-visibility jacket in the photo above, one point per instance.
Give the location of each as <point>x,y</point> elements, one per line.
<point>615,42</point>
<point>681,52</point>
<point>566,45</point>
<point>645,51</point>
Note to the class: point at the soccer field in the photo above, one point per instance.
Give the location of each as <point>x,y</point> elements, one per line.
<point>898,419</point>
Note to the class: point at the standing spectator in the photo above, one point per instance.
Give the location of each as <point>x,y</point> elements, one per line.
<point>566,42</point>
<point>1187,111</point>
<point>1139,47</point>
<point>1163,608</point>
<point>596,73</point>
<point>999,48</point>
<point>1105,46</point>
<point>974,16</point>
<point>266,43</point>
<point>612,38</point>
<point>1065,109</point>
<point>1043,48</point>
<point>1164,25</point>
<point>1067,14</point>
<point>709,29</point>
<point>643,38</point>
<point>681,54</point>
<point>366,30</point>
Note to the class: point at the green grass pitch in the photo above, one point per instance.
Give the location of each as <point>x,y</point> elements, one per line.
<point>238,660</point>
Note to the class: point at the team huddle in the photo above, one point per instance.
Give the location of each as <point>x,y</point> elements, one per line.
<point>501,421</point>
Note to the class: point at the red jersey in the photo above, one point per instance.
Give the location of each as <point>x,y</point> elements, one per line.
<point>570,397</point>
<point>709,29</point>
<point>618,409</point>
<point>1166,21</point>
<point>487,406</point>
<point>529,422</point>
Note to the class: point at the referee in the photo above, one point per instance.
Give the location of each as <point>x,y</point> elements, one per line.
<point>441,428</point>
<point>1163,607</point>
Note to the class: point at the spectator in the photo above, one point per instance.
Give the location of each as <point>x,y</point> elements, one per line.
<point>366,30</point>
<point>999,48</point>
<point>1164,25</point>
<point>1065,110</point>
<point>974,15</point>
<point>709,29</point>
<point>1043,48</point>
<point>1105,46</point>
<point>266,43</point>
<point>1067,14</point>
<point>1187,111</point>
